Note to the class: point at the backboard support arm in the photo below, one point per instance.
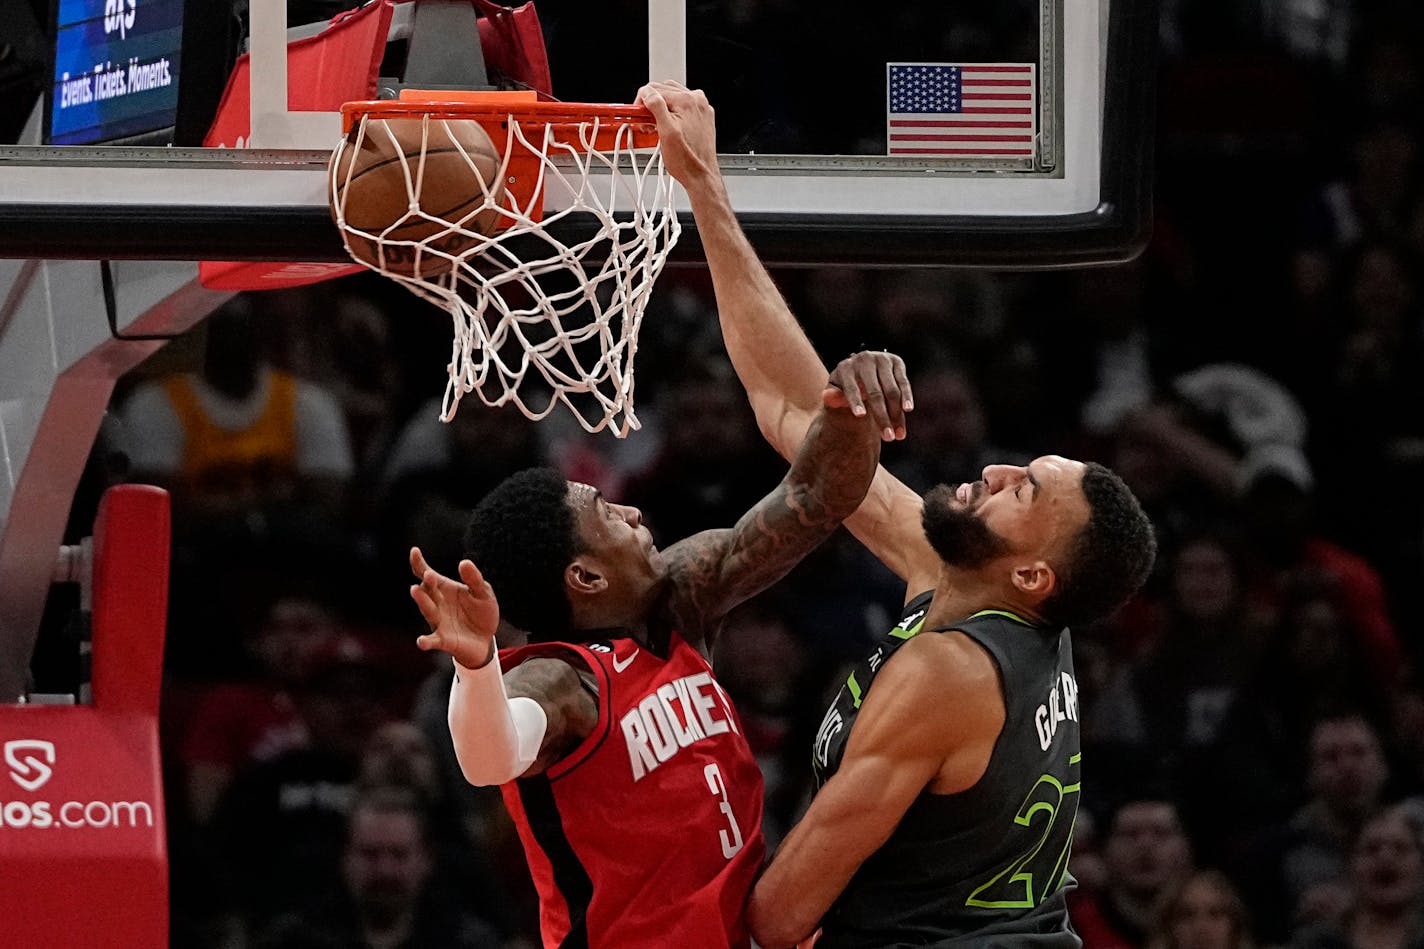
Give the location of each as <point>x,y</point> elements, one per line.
<point>667,40</point>
<point>58,366</point>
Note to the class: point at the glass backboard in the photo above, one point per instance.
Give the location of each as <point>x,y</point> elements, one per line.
<point>871,137</point>
<point>938,134</point>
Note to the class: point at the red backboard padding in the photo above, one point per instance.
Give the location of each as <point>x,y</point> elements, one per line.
<point>338,65</point>
<point>81,797</point>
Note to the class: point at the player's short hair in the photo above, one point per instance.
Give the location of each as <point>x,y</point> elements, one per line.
<point>1111,556</point>
<point>522,537</point>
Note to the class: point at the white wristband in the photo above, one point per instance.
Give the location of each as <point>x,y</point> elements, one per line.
<point>496,738</point>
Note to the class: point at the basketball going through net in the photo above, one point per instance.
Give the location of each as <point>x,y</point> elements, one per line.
<point>448,197</point>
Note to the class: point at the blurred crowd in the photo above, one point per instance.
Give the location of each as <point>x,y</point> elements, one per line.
<point>1253,723</point>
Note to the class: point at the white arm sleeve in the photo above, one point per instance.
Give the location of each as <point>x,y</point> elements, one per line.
<point>496,738</point>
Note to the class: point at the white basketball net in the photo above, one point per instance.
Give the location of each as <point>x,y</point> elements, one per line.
<point>521,299</point>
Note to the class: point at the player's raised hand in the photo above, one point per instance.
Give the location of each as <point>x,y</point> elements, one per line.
<point>463,617</point>
<point>687,130</point>
<point>874,384</point>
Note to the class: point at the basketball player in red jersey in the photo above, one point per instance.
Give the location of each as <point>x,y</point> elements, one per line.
<point>621,760</point>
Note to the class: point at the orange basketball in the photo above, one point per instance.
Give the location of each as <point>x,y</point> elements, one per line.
<point>456,180</point>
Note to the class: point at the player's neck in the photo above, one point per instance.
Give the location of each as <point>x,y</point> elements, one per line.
<point>642,624</point>
<point>594,633</point>
<point>645,620</point>
<point>960,594</point>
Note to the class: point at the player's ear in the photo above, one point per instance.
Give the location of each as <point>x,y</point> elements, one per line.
<point>584,577</point>
<point>1036,578</point>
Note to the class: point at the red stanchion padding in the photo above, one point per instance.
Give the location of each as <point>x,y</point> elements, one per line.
<point>131,539</point>
<point>81,798</point>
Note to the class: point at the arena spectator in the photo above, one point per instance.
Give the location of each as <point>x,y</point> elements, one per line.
<point>387,868</point>
<point>1203,912</point>
<point>1386,875</point>
<point>239,435</point>
<point>1373,422</point>
<point>236,723</point>
<point>400,757</point>
<point>258,463</point>
<point>1175,698</point>
<point>277,832</point>
<point>1171,704</point>
<point>1347,779</point>
<point>1296,562</point>
<point>1145,854</point>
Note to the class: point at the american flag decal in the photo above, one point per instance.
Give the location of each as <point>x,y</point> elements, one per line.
<point>967,110</point>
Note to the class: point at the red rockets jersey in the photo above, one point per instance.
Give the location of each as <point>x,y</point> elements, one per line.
<point>648,834</point>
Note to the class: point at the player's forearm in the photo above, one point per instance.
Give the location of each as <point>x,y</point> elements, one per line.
<point>778,367</point>
<point>846,822</point>
<point>792,895</point>
<point>496,738</point>
<point>715,570</point>
<point>836,462</point>
<point>776,924</point>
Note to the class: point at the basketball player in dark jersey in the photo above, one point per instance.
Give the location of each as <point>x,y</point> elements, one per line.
<point>622,762</point>
<point>948,766</point>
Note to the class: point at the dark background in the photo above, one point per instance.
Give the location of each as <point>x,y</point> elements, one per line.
<point>1260,695</point>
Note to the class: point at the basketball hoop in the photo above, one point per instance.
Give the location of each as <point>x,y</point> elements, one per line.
<point>561,293</point>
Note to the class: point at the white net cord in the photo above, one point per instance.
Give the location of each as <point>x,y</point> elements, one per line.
<point>538,321</point>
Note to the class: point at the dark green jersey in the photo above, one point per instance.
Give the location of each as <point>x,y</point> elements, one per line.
<point>986,866</point>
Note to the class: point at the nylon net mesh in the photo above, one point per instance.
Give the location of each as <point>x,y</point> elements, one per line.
<point>546,309</point>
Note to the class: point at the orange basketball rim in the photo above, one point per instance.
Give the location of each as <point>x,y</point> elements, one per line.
<point>532,125</point>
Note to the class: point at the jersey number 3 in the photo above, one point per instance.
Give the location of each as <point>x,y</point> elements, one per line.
<point>731,843</point>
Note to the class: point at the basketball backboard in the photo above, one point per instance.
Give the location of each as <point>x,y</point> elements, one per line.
<point>1043,162</point>
<point>1021,132</point>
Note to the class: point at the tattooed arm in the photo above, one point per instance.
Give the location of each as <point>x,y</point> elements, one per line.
<point>715,570</point>
<point>566,694</point>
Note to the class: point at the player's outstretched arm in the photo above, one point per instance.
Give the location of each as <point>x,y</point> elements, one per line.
<point>782,374</point>
<point>715,570</point>
<point>502,727</point>
<point>778,366</point>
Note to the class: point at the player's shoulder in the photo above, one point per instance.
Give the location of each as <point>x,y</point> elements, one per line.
<point>937,690</point>
<point>938,661</point>
<point>551,674</point>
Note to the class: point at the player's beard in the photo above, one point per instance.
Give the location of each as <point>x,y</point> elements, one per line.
<point>957,533</point>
